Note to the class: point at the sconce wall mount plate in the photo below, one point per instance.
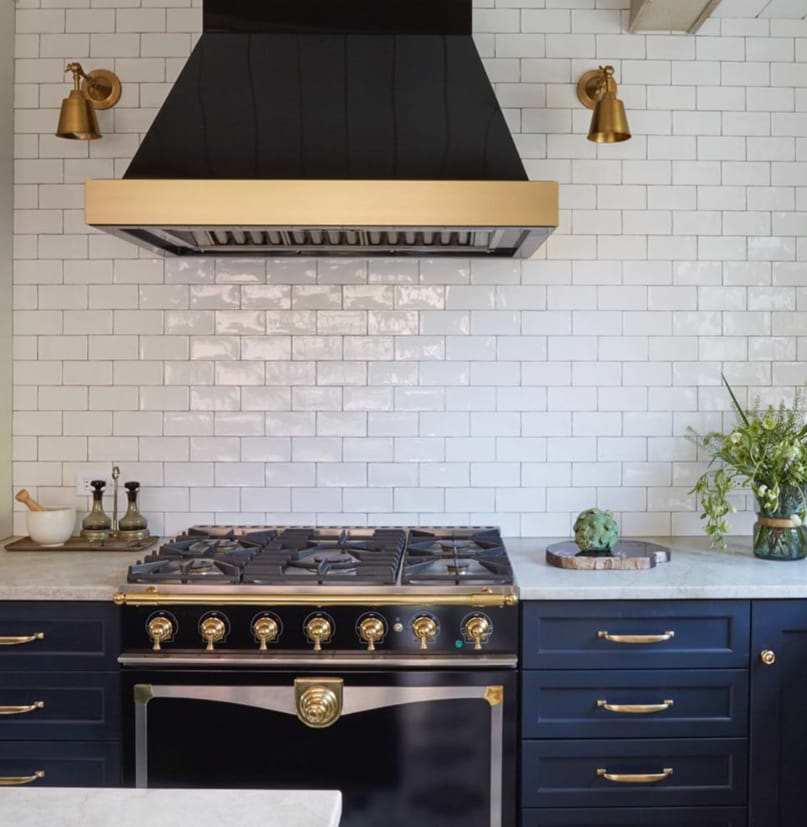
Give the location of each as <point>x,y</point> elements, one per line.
<point>102,88</point>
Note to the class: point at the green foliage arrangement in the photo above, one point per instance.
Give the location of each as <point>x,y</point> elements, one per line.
<point>766,452</point>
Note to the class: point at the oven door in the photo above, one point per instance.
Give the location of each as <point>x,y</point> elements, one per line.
<point>405,748</point>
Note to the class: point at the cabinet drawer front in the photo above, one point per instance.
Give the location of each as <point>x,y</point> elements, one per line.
<point>65,636</point>
<point>600,635</point>
<point>569,773</point>
<point>705,703</point>
<point>65,763</point>
<point>645,817</point>
<point>70,705</point>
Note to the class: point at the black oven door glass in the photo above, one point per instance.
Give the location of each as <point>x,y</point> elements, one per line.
<point>437,762</point>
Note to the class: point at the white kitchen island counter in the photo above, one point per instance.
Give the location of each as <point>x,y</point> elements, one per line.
<point>91,807</point>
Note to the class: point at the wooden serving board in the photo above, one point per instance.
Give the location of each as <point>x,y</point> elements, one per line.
<point>81,544</point>
<point>633,555</point>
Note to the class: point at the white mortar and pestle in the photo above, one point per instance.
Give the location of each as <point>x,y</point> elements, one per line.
<point>50,527</point>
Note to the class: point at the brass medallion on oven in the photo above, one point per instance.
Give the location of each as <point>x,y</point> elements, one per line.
<point>318,701</point>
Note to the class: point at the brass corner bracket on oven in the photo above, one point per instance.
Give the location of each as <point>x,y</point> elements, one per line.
<point>480,600</point>
<point>318,701</point>
<point>494,695</point>
<point>143,693</point>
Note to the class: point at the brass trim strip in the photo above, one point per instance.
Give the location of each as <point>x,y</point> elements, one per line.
<point>635,709</point>
<point>21,710</point>
<point>18,640</point>
<point>603,635</point>
<point>635,778</point>
<point>19,780</point>
<point>778,522</point>
<point>479,600</point>
<point>320,661</point>
<point>371,204</point>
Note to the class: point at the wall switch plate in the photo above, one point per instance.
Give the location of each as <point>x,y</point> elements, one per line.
<point>83,480</point>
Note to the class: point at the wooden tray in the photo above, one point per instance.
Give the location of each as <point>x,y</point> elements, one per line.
<point>81,544</point>
<point>633,555</point>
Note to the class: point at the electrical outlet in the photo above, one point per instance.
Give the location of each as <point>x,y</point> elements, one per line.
<point>83,480</point>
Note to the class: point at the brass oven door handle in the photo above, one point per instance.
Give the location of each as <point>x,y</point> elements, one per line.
<point>17,640</point>
<point>635,709</point>
<point>635,778</point>
<point>21,710</point>
<point>603,635</point>
<point>19,780</point>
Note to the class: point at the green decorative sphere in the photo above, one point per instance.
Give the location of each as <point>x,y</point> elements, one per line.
<point>595,530</point>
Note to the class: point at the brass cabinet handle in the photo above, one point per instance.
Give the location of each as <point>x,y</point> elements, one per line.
<point>16,640</point>
<point>19,780</point>
<point>21,710</point>
<point>768,657</point>
<point>635,778</point>
<point>635,638</point>
<point>635,709</point>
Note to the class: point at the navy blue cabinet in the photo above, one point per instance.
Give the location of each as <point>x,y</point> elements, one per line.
<point>60,715</point>
<point>638,634</point>
<point>778,796</point>
<point>635,713</point>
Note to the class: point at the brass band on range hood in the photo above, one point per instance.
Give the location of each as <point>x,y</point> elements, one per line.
<point>155,598</point>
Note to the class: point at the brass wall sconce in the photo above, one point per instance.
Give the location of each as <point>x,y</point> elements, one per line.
<point>100,89</point>
<point>597,90</point>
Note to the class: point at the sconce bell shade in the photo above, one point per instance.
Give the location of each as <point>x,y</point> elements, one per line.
<point>77,119</point>
<point>609,121</point>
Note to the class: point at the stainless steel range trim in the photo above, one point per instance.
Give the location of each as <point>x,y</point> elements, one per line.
<point>324,659</point>
<point>355,699</point>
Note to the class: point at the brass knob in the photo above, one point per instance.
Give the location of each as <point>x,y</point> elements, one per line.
<point>477,628</point>
<point>318,629</point>
<point>213,630</point>
<point>424,629</point>
<point>371,630</point>
<point>159,629</point>
<point>318,706</point>
<point>768,657</point>
<point>265,630</point>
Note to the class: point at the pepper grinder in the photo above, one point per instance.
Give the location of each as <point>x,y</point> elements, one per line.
<point>132,526</point>
<point>96,525</point>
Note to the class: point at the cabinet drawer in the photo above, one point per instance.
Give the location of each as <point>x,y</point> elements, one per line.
<point>706,703</point>
<point>645,817</point>
<point>75,705</point>
<point>73,636</point>
<point>65,763</point>
<point>568,773</point>
<point>636,634</point>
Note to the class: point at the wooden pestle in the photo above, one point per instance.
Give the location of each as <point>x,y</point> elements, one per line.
<point>24,497</point>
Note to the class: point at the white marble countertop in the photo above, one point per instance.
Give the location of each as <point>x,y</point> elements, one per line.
<point>89,807</point>
<point>695,572</point>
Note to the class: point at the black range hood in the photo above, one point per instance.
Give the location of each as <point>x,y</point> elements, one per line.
<point>361,128</point>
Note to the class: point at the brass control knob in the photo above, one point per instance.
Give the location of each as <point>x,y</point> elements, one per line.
<point>425,629</point>
<point>768,657</point>
<point>265,630</point>
<point>371,630</point>
<point>477,628</point>
<point>213,630</point>
<point>160,629</point>
<point>318,629</point>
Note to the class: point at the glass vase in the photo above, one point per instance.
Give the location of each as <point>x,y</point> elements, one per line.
<point>776,535</point>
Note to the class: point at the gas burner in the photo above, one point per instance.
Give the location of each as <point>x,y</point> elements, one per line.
<point>461,556</point>
<point>184,570</point>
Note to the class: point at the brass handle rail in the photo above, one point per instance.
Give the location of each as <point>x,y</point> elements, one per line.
<point>635,709</point>
<point>481,600</point>
<point>21,710</point>
<point>17,640</point>
<point>635,778</point>
<point>603,635</point>
<point>19,780</point>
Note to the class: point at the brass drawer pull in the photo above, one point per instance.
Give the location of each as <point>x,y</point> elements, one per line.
<point>21,710</point>
<point>16,640</point>
<point>19,780</point>
<point>635,709</point>
<point>603,635</point>
<point>635,778</point>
